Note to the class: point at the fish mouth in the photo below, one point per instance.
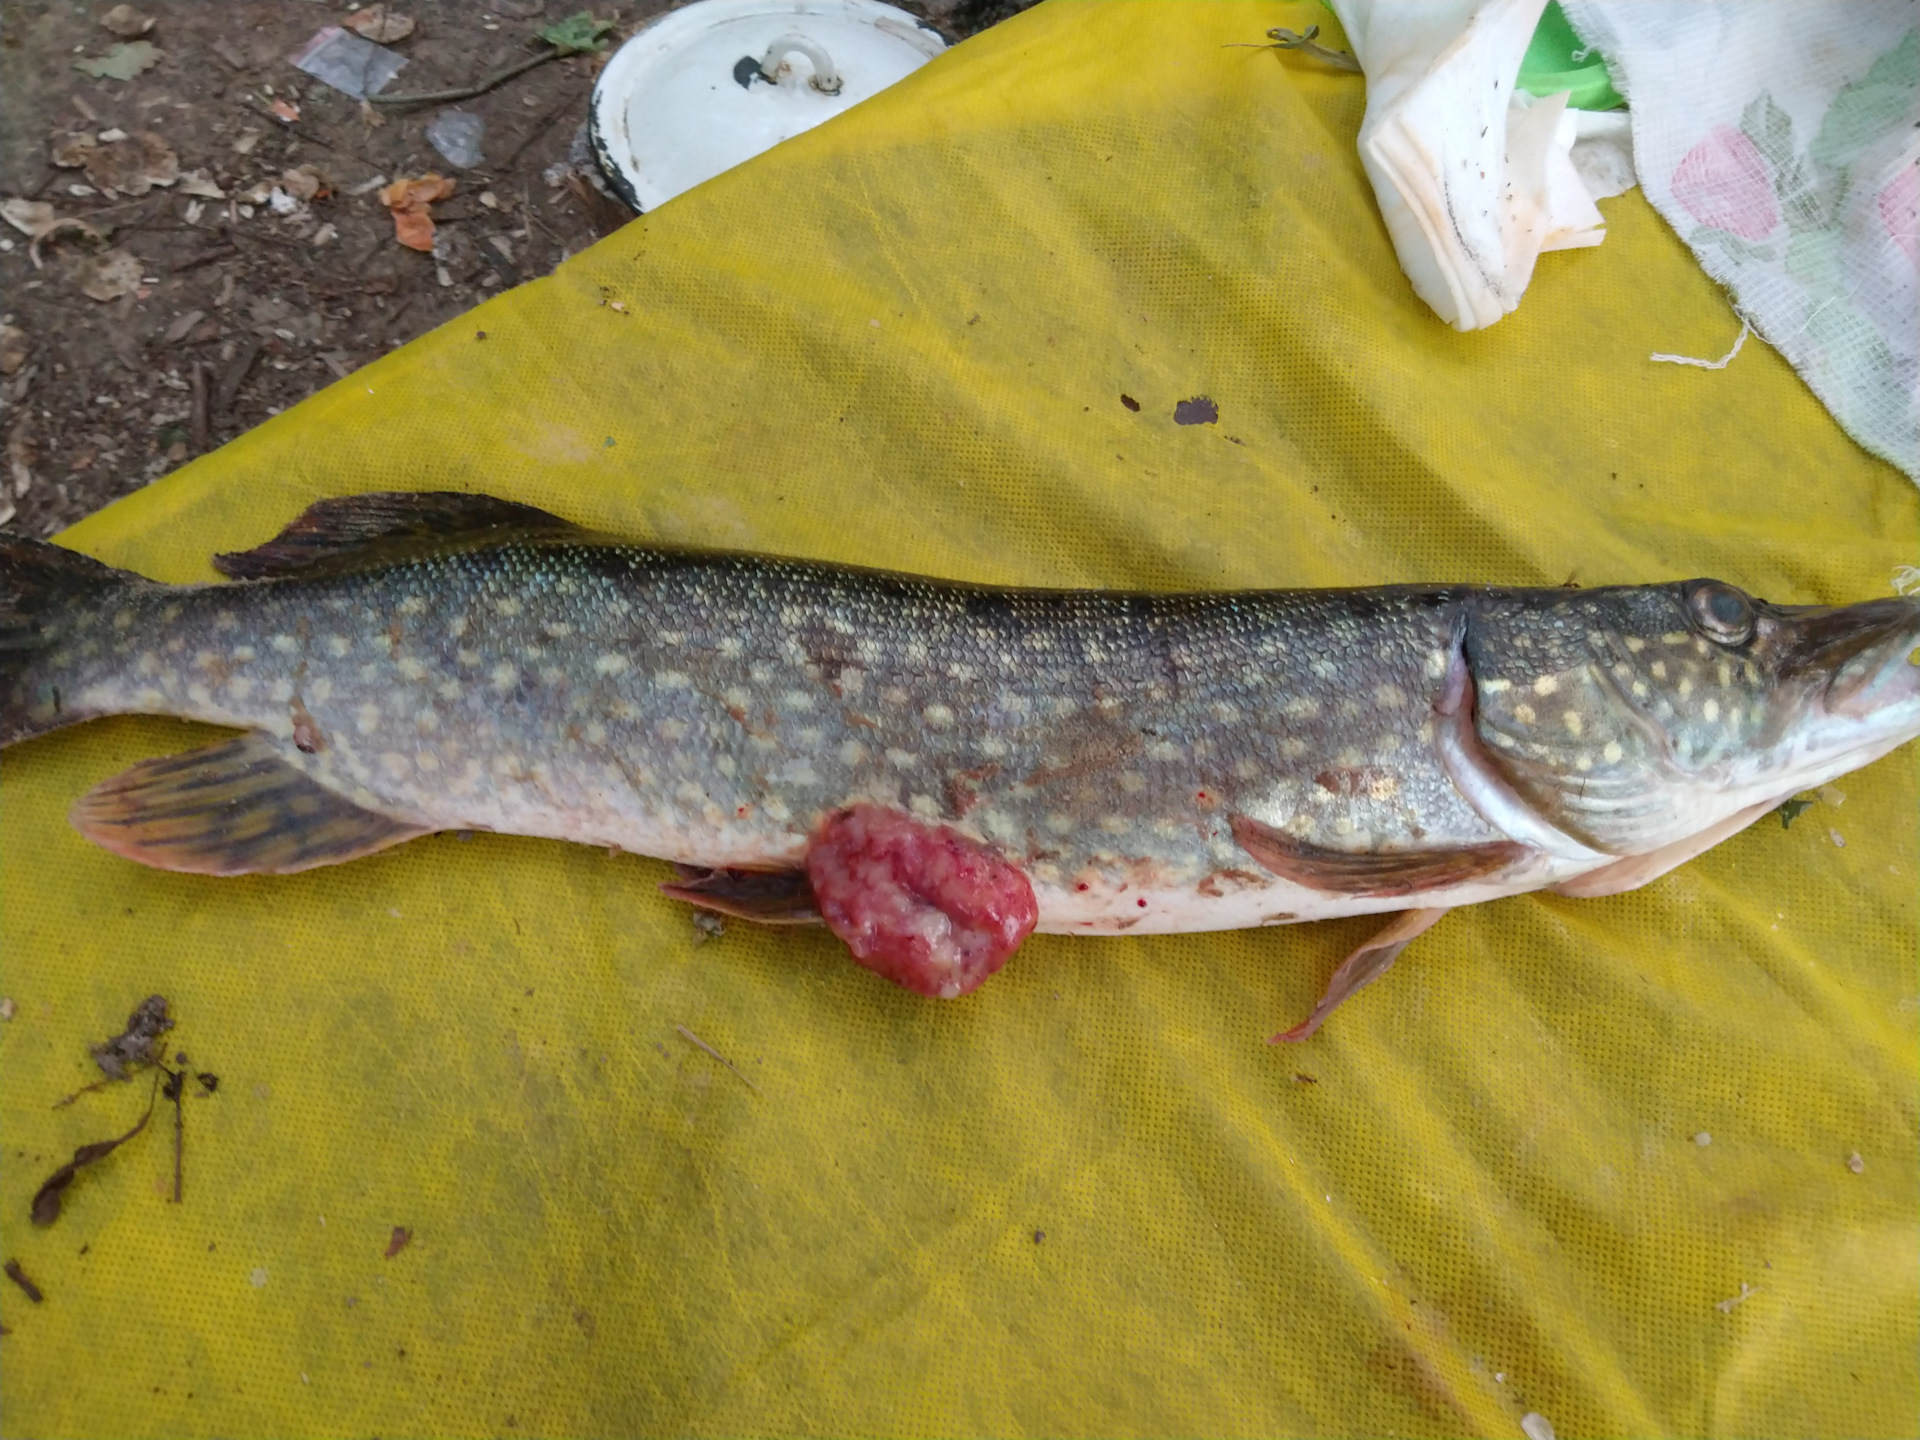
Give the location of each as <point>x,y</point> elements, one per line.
<point>1867,654</point>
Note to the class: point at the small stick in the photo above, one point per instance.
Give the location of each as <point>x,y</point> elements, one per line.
<point>467,92</point>
<point>718,1056</point>
<point>96,1085</point>
<point>19,1277</point>
<point>199,421</point>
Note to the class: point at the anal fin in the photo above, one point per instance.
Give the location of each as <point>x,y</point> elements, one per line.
<point>770,897</point>
<point>237,808</point>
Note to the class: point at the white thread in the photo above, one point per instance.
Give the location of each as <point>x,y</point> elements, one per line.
<point>1746,329</point>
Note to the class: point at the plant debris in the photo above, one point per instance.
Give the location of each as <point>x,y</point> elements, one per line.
<point>121,62</point>
<point>19,1277</point>
<point>576,35</point>
<point>109,275</point>
<point>398,1241</point>
<point>1197,411</point>
<point>139,1043</point>
<point>46,1200</point>
<point>126,22</point>
<point>132,165</point>
<point>1791,810</point>
<point>409,200</point>
<point>718,1056</point>
<point>379,24</point>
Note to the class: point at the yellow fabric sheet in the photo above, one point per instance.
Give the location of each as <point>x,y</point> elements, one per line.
<point>1088,1200</point>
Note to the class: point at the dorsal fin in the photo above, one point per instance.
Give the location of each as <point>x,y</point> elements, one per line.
<point>356,531</point>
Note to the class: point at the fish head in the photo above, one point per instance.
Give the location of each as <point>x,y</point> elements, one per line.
<point>1632,717</point>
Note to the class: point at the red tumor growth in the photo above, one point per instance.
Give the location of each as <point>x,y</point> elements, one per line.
<point>920,904</point>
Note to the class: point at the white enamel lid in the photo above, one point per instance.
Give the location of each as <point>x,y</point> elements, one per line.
<point>688,97</point>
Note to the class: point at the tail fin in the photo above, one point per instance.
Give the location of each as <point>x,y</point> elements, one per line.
<point>41,585</point>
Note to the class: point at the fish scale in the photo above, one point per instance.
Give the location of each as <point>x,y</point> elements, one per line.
<point>1133,761</point>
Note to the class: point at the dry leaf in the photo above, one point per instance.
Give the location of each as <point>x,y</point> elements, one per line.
<point>380,24</point>
<point>134,165</point>
<point>199,182</point>
<point>121,62</point>
<point>408,200</point>
<point>303,182</point>
<point>30,217</point>
<point>110,275</point>
<point>13,349</point>
<point>244,142</point>
<point>69,148</point>
<point>286,110</point>
<point>126,22</point>
<point>35,219</point>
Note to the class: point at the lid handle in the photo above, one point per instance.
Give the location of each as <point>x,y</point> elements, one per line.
<point>825,79</point>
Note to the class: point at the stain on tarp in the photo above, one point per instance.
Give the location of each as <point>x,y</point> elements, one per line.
<point>1131,403</point>
<point>1197,411</point>
<point>398,1241</point>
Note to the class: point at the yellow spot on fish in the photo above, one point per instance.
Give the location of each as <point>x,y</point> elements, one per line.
<point>395,763</point>
<point>1658,669</point>
<point>1583,761</point>
<point>426,722</point>
<point>504,676</point>
<point>1571,719</point>
<point>199,694</point>
<point>776,810</point>
<point>1724,673</point>
<point>993,747</point>
<point>226,620</point>
<point>900,759</point>
<point>611,665</point>
<point>938,716</point>
<point>449,690</point>
<point>1301,707</point>
<point>1114,824</point>
<point>672,680</point>
<point>427,761</point>
<point>852,752</point>
<point>367,718</point>
<point>1225,712</point>
<point>1636,644</point>
<point>1060,824</point>
<point>1132,783</point>
<point>1546,685</point>
<point>673,729</point>
<point>621,709</point>
<point>729,645</point>
<point>1685,687</point>
<point>411,668</point>
<point>413,605</point>
<point>1163,751</point>
<point>723,763</point>
<point>1496,686</point>
<point>457,626</point>
<point>1245,770</point>
<point>506,605</point>
<point>243,654</point>
<point>286,644</point>
<point>552,675</point>
<point>1523,713</point>
<point>320,688</point>
<point>1612,753</point>
<point>1640,689</point>
<point>1675,637</point>
<point>1710,710</point>
<point>240,687</point>
<point>122,619</point>
<point>1293,747</point>
<point>1437,662</point>
<point>791,700</point>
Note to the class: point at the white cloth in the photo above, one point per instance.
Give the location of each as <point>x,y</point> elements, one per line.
<point>1474,181</point>
<point>1782,140</point>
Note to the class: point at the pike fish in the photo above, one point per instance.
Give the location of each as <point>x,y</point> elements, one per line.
<point>936,769</point>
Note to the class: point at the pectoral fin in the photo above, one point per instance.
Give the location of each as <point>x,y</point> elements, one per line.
<point>238,808</point>
<point>1637,870</point>
<point>1363,967</point>
<point>1335,872</point>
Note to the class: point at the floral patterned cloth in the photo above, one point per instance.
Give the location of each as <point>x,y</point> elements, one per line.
<point>1781,138</point>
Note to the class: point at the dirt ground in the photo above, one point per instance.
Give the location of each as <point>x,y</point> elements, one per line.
<point>196,309</point>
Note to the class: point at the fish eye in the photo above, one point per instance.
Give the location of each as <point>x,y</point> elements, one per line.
<point>1722,613</point>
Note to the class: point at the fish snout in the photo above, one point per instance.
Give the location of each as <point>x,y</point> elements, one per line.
<point>1870,653</point>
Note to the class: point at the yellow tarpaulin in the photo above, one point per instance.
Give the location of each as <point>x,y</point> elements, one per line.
<point>1586,1158</point>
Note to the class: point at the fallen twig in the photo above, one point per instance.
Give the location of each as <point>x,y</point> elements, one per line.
<point>46,1200</point>
<point>718,1056</point>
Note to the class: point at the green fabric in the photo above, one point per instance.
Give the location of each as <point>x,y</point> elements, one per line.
<point>1088,1200</point>
<point>1550,65</point>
